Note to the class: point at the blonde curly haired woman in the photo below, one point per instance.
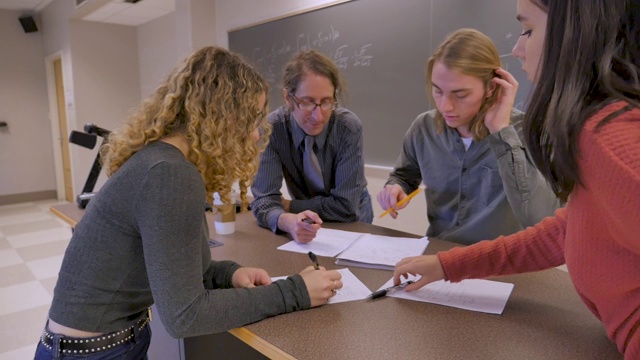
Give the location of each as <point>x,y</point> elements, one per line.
<point>201,130</point>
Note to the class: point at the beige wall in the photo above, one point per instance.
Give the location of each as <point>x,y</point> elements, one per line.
<point>163,42</point>
<point>103,59</point>
<point>55,35</point>
<point>157,52</point>
<point>26,163</point>
<point>114,66</point>
<point>194,25</point>
<point>105,81</point>
<point>110,68</point>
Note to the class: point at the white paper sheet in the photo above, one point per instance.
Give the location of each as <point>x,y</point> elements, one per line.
<point>328,242</point>
<point>381,252</point>
<point>352,288</point>
<point>478,295</point>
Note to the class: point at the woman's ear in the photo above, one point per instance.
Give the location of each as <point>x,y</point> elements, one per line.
<point>490,89</point>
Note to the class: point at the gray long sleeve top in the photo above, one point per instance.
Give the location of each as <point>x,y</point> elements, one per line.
<point>143,239</point>
<point>491,189</point>
<point>340,153</point>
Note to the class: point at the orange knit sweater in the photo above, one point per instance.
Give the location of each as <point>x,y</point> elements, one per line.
<point>597,235</point>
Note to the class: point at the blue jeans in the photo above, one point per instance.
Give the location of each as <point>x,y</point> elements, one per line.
<point>134,349</point>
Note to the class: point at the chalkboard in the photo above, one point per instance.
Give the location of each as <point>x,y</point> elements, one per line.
<point>382,47</point>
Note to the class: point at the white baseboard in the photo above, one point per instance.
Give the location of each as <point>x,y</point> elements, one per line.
<point>377,171</point>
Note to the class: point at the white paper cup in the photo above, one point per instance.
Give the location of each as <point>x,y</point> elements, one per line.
<point>223,228</point>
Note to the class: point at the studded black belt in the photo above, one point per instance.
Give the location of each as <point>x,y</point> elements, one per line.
<point>92,345</point>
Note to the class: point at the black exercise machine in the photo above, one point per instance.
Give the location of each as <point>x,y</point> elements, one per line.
<point>88,139</point>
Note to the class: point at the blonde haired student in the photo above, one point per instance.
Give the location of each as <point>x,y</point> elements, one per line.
<point>469,152</point>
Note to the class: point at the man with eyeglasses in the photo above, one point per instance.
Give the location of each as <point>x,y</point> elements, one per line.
<point>317,147</point>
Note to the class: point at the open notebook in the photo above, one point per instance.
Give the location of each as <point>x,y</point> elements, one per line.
<point>381,252</point>
<point>360,249</point>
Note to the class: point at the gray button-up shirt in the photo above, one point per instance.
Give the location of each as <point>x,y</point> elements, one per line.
<point>491,189</point>
<point>341,158</point>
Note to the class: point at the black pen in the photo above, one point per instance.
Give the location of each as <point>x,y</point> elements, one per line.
<point>314,260</point>
<point>308,221</point>
<point>384,292</point>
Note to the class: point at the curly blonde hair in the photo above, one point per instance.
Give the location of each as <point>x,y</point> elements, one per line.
<point>212,99</point>
<point>471,53</point>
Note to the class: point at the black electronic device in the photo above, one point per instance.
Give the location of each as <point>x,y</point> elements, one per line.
<point>28,24</point>
<point>88,140</point>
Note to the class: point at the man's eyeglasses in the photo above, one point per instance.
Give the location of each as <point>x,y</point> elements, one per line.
<point>306,105</point>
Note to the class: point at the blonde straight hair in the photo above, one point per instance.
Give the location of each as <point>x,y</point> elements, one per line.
<point>471,53</point>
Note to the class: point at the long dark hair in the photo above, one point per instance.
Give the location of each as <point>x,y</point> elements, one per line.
<point>591,58</point>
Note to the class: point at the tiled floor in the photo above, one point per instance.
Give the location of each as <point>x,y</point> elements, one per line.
<point>32,243</point>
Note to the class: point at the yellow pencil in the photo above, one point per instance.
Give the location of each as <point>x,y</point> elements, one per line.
<point>414,193</point>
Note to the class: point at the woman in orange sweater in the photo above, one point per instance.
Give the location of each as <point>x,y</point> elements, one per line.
<point>583,130</point>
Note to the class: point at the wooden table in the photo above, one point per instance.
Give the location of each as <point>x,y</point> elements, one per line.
<point>544,317</point>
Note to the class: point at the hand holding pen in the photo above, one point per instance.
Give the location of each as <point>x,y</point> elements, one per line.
<point>384,292</point>
<point>314,260</point>
<point>321,284</point>
<point>426,267</point>
<point>302,227</point>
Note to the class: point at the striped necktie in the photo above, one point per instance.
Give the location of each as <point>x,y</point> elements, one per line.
<point>312,170</point>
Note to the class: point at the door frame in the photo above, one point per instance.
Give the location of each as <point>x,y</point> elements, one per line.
<point>55,121</point>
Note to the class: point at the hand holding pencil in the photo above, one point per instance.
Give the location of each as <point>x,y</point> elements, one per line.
<point>388,199</point>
